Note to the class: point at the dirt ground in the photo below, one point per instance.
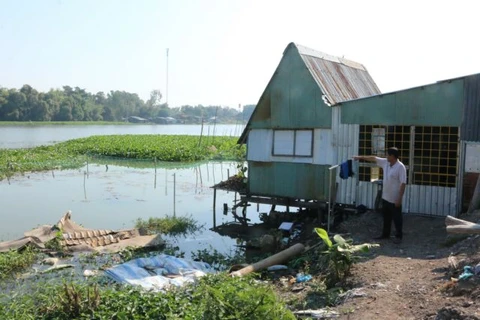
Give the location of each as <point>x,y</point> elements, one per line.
<point>413,280</point>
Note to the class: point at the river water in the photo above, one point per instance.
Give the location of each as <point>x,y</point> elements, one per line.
<point>26,136</point>
<point>114,194</point>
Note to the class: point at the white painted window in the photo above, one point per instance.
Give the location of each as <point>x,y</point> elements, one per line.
<point>303,143</point>
<point>283,142</point>
<point>293,143</point>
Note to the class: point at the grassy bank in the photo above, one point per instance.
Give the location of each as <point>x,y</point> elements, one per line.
<point>64,295</point>
<point>74,153</point>
<point>214,297</point>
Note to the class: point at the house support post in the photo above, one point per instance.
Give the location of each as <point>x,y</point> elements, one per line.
<point>475,203</point>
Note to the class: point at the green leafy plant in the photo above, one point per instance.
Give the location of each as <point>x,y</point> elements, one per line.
<point>74,153</point>
<point>55,243</point>
<point>13,261</point>
<point>340,254</point>
<point>169,225</point>
<point>218,260</point>
<point>213,297</point>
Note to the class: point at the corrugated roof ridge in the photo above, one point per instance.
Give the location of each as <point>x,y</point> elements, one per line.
<point>325,56</point>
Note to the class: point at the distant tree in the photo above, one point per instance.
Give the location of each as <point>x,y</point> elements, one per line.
<point>108,114</point>
<point>164,111</point>
<point>155,98</point>
<point>76,104</point>
<point>248,111</point>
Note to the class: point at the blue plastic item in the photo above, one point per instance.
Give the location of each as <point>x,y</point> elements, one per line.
<point>303,277</point>
<point>467,273</point>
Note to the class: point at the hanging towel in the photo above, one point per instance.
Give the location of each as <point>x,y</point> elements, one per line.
<point>346,169</point>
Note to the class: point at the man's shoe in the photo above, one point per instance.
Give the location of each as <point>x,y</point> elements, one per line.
<point>397,240</point>
<point>382,237</point>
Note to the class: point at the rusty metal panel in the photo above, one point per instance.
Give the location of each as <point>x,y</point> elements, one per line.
<point>340,79</point>
<point>471,111</point>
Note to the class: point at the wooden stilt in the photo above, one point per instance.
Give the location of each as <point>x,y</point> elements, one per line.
<point>214,206</point>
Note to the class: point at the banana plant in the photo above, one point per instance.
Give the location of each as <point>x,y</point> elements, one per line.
<point>340,255</point>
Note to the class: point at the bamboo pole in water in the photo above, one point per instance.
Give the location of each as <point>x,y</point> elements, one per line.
<point>166,189</point>
<point>84,185</point>
<point>201,134</point>
<point>155,179</point>
<point>174,182</point>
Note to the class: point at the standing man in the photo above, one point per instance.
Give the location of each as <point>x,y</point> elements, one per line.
<point>394,181</point>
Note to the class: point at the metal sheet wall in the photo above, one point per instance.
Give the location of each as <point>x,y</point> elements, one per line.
<point>435,201</point>
<point>471,111</point>
<point>367,193</point>
<point>345,146</point>
<point>293,180</point>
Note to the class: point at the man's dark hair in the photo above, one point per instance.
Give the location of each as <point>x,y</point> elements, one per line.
<point>393,152</point>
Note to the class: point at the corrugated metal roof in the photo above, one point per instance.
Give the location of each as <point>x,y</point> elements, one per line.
<point>340,79</point>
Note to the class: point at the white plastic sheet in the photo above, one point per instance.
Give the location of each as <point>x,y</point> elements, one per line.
<point>159,272</point>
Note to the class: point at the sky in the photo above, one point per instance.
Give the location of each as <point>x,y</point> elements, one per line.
<point>224,52</point>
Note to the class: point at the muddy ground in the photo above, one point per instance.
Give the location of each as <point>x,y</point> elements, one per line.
<point>412,280</point>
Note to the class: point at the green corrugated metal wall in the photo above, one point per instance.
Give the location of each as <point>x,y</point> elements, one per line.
<point>439,104</point>
<point>285,179</point>
<point>292,99</point>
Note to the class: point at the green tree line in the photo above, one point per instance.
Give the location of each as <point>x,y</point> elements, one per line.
<point>76,104</point>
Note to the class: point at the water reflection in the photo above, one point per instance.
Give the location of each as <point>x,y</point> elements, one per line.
<point>112,194</point>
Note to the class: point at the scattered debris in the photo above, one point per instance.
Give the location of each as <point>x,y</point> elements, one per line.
<point>301,277</point>
<point>233,183</point>
<point>467,273</point>
<point>455,225</point>
<point>159,272</point>
<point>477,269</point>
<point>57,267</point>
<point>450,313</point>
<point>90,273</point>
<point>74,237</point>
<point>452,262</point>
<point>21,243</point>
<point>350,294</point>
<point>50,261</point>
<point>277,267</point>
<point>317,314</point>
<point>279,257</point>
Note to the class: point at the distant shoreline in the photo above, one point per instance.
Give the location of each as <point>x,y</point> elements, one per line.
<point>89,123</point>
